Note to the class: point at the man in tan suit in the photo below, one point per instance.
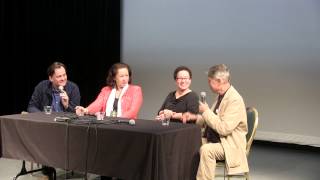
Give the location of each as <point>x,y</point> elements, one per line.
<point>225,127</point>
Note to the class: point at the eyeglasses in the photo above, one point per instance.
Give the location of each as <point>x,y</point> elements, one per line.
<point>181,78</point>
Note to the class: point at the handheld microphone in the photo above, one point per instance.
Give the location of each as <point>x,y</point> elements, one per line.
<point>61,89</point>
<point>203,96</point>
<point>131,122</point>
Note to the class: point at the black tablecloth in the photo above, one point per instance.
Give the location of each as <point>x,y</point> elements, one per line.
<point>0,141</point>
<point>146,150</point>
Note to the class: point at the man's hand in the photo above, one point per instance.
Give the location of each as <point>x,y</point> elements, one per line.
<point>203,107</point>
<point>64,99</point>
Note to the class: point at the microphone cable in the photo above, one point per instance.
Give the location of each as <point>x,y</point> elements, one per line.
<point>67,150</point>
<point>97,137</point>
<point>97,140</point>
<point>87,151</point>
<point>86,121</point>
<point>96,146</point>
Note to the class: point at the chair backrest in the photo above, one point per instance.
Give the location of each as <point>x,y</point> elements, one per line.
<point>252,121</point>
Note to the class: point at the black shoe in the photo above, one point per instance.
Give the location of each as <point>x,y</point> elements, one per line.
<point>48,171</point>
<point>105,178</point>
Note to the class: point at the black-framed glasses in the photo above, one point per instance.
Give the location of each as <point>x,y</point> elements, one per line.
<point>183,78</point>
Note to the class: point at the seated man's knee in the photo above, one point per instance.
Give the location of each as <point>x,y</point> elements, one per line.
<point>210,150</point>
<point>205,149</point>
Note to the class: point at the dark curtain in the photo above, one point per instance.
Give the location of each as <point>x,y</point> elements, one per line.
<point>83,34</point>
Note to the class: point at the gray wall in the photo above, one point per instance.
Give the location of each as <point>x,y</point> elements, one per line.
<point>271,46</point>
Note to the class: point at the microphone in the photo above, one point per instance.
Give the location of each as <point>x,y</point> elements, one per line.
<point>131,122</point>
<point>61,119</point>
<point>203,97</point>
<point>61,89</point>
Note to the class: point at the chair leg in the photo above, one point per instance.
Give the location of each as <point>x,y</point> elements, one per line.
<point>54,175</point>
<point>24,171</point>
<point>69,173</point>
<point>31,166</point>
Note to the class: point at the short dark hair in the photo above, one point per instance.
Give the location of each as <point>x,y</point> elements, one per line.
<point>113,72</point>
<point>53,66</point>
<point>181,68</point>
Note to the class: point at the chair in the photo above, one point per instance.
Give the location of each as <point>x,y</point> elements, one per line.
<point>252,121</point>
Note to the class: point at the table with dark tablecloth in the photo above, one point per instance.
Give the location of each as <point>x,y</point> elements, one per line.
<point>146,150</point>
<point>0,141</point>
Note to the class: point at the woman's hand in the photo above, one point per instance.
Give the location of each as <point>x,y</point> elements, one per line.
<point>167,113</point>
<point>160,117</point>
<point>81,111</point>
<point>187,116</point>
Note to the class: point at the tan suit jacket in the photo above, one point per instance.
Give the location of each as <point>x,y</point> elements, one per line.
<point>231,124</point>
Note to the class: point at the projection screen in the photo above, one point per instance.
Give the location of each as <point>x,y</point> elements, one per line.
<point>271,46</point>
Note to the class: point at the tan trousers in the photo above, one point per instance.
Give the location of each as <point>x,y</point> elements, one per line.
<point>209,153</point>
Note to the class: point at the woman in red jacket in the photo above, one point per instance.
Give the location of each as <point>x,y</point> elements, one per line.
<point>119,98</point>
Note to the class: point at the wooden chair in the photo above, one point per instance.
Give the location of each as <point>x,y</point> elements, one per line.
<point>252,121</point>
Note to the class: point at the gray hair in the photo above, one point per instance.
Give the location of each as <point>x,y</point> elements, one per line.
<point>220,71</point>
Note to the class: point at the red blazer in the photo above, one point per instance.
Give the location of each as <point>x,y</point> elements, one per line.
<point>131,101</point>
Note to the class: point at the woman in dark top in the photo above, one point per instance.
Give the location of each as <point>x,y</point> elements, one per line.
<point>182,100</point>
